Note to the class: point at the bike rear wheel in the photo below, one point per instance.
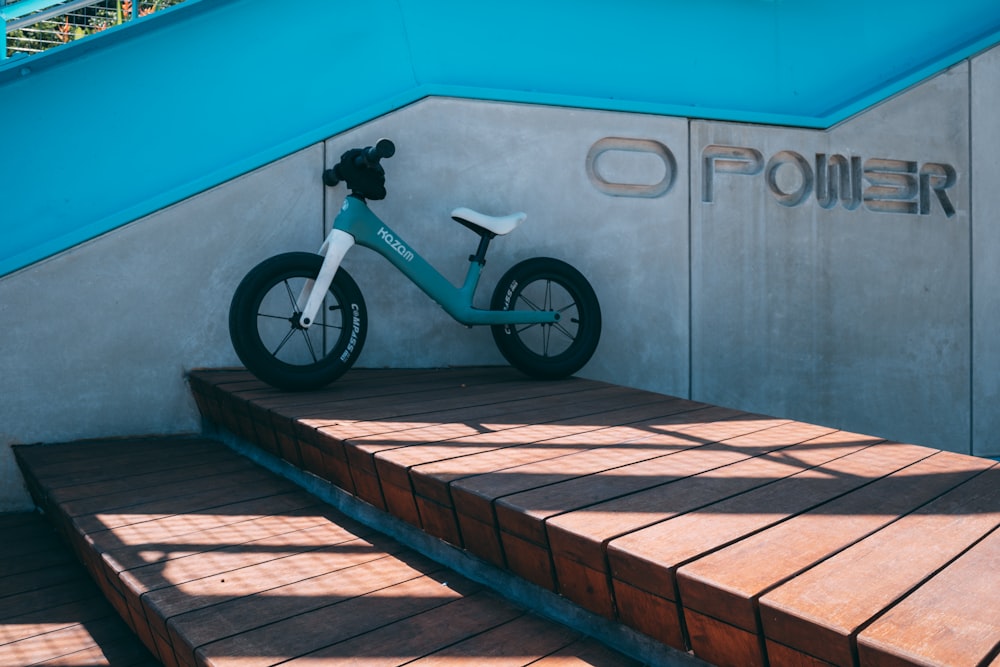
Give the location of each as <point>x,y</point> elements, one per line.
<point>547,351</point>
<point>264,324</point>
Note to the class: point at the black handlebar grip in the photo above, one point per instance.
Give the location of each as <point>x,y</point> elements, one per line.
<point>331,177</point>
<point>385,148</point>
<point>382,149</point>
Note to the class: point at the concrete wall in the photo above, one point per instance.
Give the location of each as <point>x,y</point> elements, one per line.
<point>96,341</point>
<point>985,202</point>
<point>857,315</point>
<point>874,314</point>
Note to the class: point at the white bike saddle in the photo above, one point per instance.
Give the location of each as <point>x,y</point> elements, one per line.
<point>495,225</point>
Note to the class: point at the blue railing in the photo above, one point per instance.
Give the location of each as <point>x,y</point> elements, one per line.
<point>31,26</point>
<point>199,93</point>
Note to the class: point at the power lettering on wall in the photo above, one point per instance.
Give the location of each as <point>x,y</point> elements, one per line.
<point>881,185</point>
<point>894,186</point>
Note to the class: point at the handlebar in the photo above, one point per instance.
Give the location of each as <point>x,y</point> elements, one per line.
<point>383,148</point>
<point>368,157</point>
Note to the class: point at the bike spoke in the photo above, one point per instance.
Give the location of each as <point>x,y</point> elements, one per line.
<point>564,331</point>
<point>284,340</point>
<point>566,307</point>
<point>325,326</point>
<point>291,296</point>
<point>531,304</point>
<point>309,344</point>
<point>559,325</point>
<point>274,317</point>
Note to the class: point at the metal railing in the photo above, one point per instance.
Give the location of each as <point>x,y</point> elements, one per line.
<point>33,26</point>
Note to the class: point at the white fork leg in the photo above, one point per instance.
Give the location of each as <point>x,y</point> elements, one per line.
<point>336,246</point>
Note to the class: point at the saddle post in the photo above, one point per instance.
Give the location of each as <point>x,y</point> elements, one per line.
<point>484,243</point>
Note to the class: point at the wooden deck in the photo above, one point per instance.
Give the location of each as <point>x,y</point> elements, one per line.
<point>213,560</point>
<point>51,612</point>
<point>748,539</point>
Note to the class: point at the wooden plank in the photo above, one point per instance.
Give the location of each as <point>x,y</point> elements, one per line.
<point>512,644</point>
<point>414,637</point>
<point>481,429</point>
<point>65,464</point>
<point>444,422</point>
<point>386,392</point>
<point>305,633</point>
<point>251,530</point>
<point>582,422</point>
<point>521,516</point>
<point>148,489</point>
<point>585,652</point>
<point>780,655</point>
<point>57,573</point>
<point>114,654</point>
<point>19,623</point>
<point>470,498</point>
<point>952,619</point>
<point>450,423</point>
<point>302,549</point>
<point>721,586</point>
<point>196,621</point>
<point>189,466</point>
<point>331,421</point>
<point>393,401</point>
<point>579,539</point>
<point>63,643</point>
<point>722,644</point>
<point>109,545</point>
<point>820,611</point>
<point>199,498</point>
<point>469,487</point>
<point>324,456</point>
<point>644,563</point>
<point>25,550</point>
<point>432,480</point>
<point>65,623</point>
<point>534,452</point>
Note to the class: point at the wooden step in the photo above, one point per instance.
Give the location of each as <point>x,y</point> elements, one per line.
<point>51,613</point>
<point>234,565</point>
<point>705,528</point>
<point>885,567</point>
<point>950,619</point>
<point>720,591</point>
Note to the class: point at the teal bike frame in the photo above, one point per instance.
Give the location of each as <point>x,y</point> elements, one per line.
<point>356,223</point>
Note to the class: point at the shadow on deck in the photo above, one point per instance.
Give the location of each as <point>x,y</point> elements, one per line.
<point>746,539</point>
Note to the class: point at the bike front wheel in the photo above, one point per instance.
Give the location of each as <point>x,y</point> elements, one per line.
<point>547,351</point>
<point>268,337</point>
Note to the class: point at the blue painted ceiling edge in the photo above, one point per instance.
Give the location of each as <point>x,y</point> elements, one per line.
<point>102,132</point>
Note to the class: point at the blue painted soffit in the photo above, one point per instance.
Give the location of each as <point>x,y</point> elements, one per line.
<point>101,132</point>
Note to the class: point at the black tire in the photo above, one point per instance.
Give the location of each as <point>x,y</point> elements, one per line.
<point>263,324</point>
<point>547,351</point>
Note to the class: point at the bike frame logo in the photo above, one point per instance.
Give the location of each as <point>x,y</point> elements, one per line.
<point>881,185</point>
<point>394,243</point>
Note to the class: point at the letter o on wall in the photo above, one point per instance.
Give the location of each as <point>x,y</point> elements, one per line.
<point>635,146</point>
<point>805,173</point>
